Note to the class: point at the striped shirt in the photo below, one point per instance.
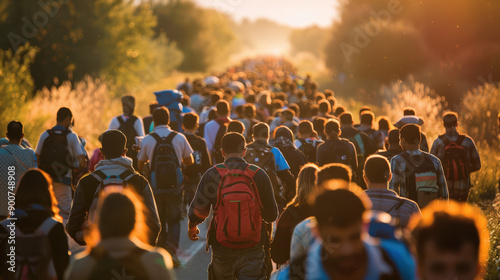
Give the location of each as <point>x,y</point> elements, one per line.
<point>401,209</point>
<point>472,155</point>
<point>399,174</point>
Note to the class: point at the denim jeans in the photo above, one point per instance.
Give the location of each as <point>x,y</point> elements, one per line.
<point>169,210</point>
<point>247,264</point>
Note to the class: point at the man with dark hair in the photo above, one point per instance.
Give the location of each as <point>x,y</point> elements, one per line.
<point>166,151</point>
<point>410,117</point>
<point>377,174</point>
<point>130,125</point>
<point>308,140</point>
<point>115,165</point>
<point>269,158</point>
<point>58,151</point>
<point>459,156</point>
<point>339,110</point>
<point>363,143</point>
<point>201,157</point>
<point>362,110</point>
<point>149,119</point>
<point>250,114</point>
<point>319,127</point>
<point>324,109</point>
<point>287,118</point>
<point>366,126</point>
<point>236,126</point>
<point>417,175</point>
<point>451,241</point>
<point>333,171</point>
<point>17,160</point>
<point>227,263</point>
<point>341,249</point>
<point>215,129</point>
<point>393,146</point>
<point>336,149</point>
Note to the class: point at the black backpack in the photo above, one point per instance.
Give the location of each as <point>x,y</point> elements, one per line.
<point>166,172</point>
<point>218,158</point>
<point>309,150</point>
<point>341,153</point>
<point>263,157</point>
<point>197,168</point>
<point>55,158</point>
<point>128,267</point>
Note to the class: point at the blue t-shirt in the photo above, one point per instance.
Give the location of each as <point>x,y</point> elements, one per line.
<point>280,160</point>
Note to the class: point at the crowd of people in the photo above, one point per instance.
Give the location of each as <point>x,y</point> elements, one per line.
<point>290,185</point>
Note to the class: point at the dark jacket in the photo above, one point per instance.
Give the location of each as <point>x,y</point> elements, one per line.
<point>84,196</point>
<point>389,154</point>
<point>206,198</point>
<point>350,132</point>
<point>325,154</point>
<point>292,216</point>
<point>200,154</point>
<point>295,159</point>
<point>28,220</point>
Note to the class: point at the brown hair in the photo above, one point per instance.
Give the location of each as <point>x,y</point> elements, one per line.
<point>306,184</point>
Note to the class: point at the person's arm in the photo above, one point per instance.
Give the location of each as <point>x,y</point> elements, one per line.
<point>473,159</point>
<point>187,151</point>
<point>209,135</point>
<point>441,180</point>
<point>139,127</point>
<point>280,247</point>
<point>114,124</point>
<point>354,162</point>
<point>424,146</point>
<point>437,148</point>
<point>370,147</point>
<point>395,183</point>
<point>77,150</point>
<point>321,156</point>
<point>59,247</point>
<point>266,195</point>
<point>289,184</point>
<point>203,200</point>
<point>152,220</point>
<point>78,212</point>
<point>143,156</point>
<point>206,162</point>
<point>39,146</point>
<point>187,161</point>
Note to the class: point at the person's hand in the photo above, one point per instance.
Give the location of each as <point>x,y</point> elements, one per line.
<point>193,233</point>
<point>136,148</point>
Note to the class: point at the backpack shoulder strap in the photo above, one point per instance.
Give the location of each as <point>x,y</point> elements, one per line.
<point>127,175</point>
<point>156,136</point>
<point>47,225</point>
<point>445,139</point>
<point>397,205</point>
<point>171,136</point>
<point>99,175</point>
<point>121,120</point>
<point>460,139</point>
<point>252,170</point>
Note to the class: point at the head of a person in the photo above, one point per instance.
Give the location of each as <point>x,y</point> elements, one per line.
<point>377,172</point>
<point>15,132</point>
<point>409,136</point>
<point>114,144</point>
<point>451,241</point>
<point>318,96</point>
<point>450,120</point>
<point>332,129</point>
<point>384,123</point>
<point>295,108</point>
<point>260,131</point>
<point>364,109</point>
<point>367,118</point>
<point>339,110</point>
<point>328,93</point>
<point>250,111</point>
<point>212,114</point>
<point>128,105</point>
<point>161,116</point>
<point>333,172</point>
<point>214,97</point>
<point>306,129</point>
<point>190,122</point>
<point>339,215</point>
<point>152,106</point>
<point>186,100</point>
<point>119,214</point>
<point>233,145</point>
<point>409,111</point>
<point>35,188</point>
<point>333,102</point>
<point>306,185</point>
<point>240,111</point>
<point>288,115</point>
<point>324,106</point>
<point>346,119</point>
<point>393,139</point>
<point>222,108</point>
<point>283,132</point>
<point>236,126</point>
<point>64,117</point>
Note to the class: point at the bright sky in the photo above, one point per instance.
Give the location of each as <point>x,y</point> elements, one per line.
<point>296,13</point>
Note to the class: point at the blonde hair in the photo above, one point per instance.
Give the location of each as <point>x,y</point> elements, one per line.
<point>306,184</point>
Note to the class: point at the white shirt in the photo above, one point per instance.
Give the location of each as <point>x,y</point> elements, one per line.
<point>139,128</point>
<point>180,143</point>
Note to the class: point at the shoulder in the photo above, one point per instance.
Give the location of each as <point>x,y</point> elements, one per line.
<point>157,257</point>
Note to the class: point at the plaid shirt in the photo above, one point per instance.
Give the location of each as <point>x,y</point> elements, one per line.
<point>399,173</point>
<point>400,208</point>
<point>472,155</point>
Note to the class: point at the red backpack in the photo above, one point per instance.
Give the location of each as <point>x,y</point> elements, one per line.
<point>237,214</point>
<point>454,159</point>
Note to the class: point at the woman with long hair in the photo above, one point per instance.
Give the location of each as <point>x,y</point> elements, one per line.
<point>297,210</point>
<point>39,230</point>
<point>283,140</point>
<point>117,242</point>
